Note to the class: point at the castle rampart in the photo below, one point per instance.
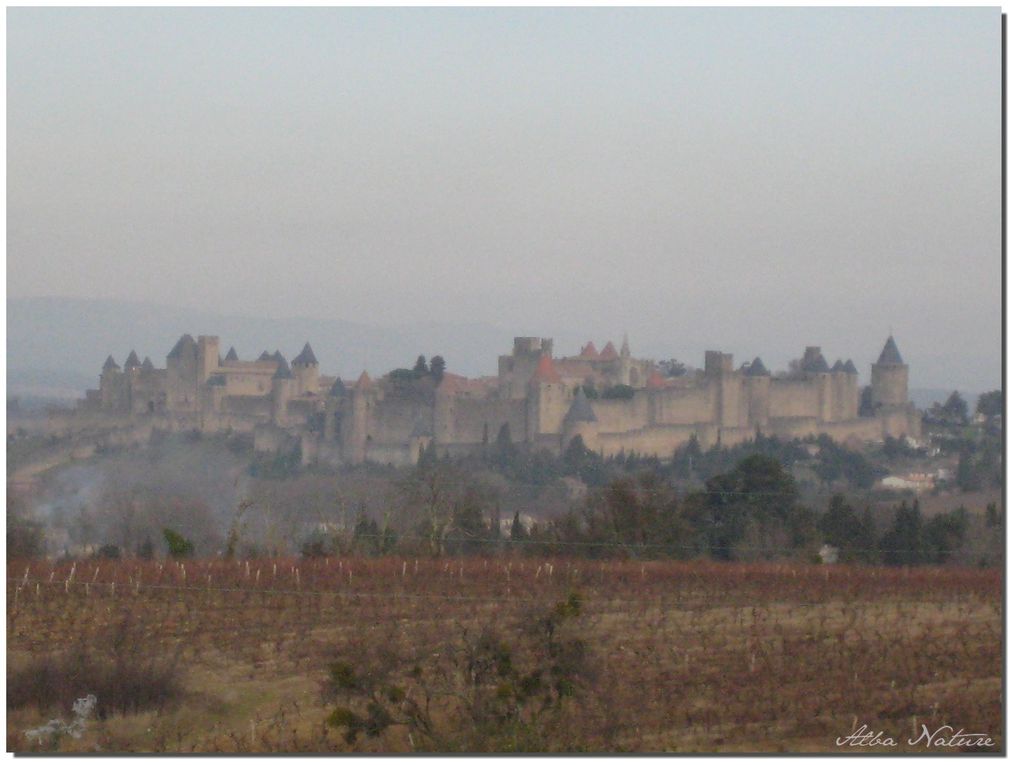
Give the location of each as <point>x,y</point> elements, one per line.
<point>540,399</point>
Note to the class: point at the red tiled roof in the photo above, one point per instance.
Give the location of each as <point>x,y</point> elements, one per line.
<point>655,381</point>
<point>609,352</point>
<point>452,383</point>
<point>589,351</point>
<point>575,367</point>
<point>545,372</point>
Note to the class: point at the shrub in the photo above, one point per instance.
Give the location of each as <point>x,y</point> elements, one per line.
<point>179,546</point>
<point>121,672</point>
<point>506,693</point>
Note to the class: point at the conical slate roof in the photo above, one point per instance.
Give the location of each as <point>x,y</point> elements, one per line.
<point>232,355</point>
<point>838,366</point>
<point>186,341</point>
<point>283,372</point>
<point>580,409</point>
<point>110,364</point>
<point>850,368</point>
<point>305,357</point>
<point>757,368</point>
<point>338,389</point>
<point>816,363</point>
<point>132,361</point>
<point>265,356</point>
<point>890,354</point>
<point>146,365</point>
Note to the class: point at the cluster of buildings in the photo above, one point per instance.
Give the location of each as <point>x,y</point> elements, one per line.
<point>613,401</point>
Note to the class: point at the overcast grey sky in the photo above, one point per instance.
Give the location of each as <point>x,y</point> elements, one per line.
<point>750,180</point>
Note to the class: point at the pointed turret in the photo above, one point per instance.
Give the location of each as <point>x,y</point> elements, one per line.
<point>232,355</point>
<point>625,348</point>
<point>265,356</point>
<point>545,372</point>
<point>283,372</point>
<point>589,351</point>
<point>146,365</point>
<point>889,378</point>
<point>580,410</point>
<point>814,361</point>
<point>338,389</point>
<point>850,368</point>
<point>110,364</point>
<point>132,361</point>
<point>838,366</point>
<point>305,357</point>
<point>185,342</point>
<point>609,352</point>
<point>364,382</point>
<point>757,368</point>
<point>890,354</point>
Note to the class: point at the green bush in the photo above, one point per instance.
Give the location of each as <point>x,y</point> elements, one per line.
<point>179,546</point>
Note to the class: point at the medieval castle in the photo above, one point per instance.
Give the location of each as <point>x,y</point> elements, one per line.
<point>612,400</point>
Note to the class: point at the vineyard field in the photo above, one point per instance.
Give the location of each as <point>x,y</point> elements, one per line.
<point>242,656</point>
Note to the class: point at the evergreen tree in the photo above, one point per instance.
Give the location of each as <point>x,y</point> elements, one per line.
<point>146,550</point>
<point>843,528</point>
<point>437,368</point>
<point>179,547</point>
<point>869,553</point>
<point>990,404</point>
<point>944,534</point>
<point>518,532</point>
<point>420,366</point>
<point>904,544</point>
<point>956,408</point>
<point>505,455</point>
<point>967,477</point>
<point>366,535</point>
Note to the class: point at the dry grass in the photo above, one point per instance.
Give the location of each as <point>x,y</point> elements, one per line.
<point>683,656</point>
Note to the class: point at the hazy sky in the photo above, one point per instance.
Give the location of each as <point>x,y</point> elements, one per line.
<point>749,180</point>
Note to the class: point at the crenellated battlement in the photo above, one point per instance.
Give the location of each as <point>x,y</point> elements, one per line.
<point>614,401</point>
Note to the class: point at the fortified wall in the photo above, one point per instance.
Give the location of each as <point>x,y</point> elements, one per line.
<point>613,401</point>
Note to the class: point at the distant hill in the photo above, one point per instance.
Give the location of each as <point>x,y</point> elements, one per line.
<point>56,346</point>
